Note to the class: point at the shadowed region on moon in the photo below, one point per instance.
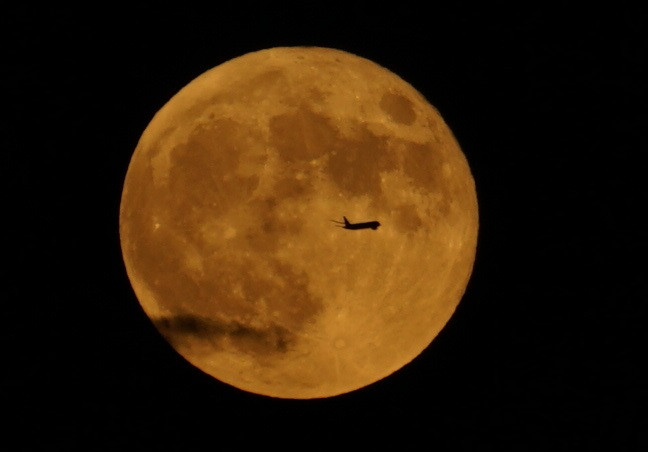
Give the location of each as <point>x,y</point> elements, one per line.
<point>407,220</point>
<point>242,299</point>
<point>226,234</point>
<point>303,135</point>
<point>183,330</point>
<point>399,108</point>
<point>203,174</point>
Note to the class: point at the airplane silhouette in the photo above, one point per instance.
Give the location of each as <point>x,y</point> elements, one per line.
<point>367,225</point>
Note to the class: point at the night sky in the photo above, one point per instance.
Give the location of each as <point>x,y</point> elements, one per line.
<point>545,348</point>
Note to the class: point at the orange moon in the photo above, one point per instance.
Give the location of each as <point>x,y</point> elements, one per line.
<point>226,234</point>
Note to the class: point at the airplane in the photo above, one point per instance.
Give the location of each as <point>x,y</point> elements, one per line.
<point>367,225</point>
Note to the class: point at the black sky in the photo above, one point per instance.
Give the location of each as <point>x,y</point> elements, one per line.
<point>546,347</point>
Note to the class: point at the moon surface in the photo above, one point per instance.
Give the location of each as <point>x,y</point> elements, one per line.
<point>226,234</point>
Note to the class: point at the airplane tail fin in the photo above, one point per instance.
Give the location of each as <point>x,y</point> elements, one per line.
<point>346,222</point>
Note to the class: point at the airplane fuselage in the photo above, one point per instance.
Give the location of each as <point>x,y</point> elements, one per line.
<point>348,225</point>
<point>367,225</point>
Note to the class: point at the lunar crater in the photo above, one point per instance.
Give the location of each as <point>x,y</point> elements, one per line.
<point>399,108</point>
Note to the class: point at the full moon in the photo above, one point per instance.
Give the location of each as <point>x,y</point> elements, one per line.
<point>226,222</point>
